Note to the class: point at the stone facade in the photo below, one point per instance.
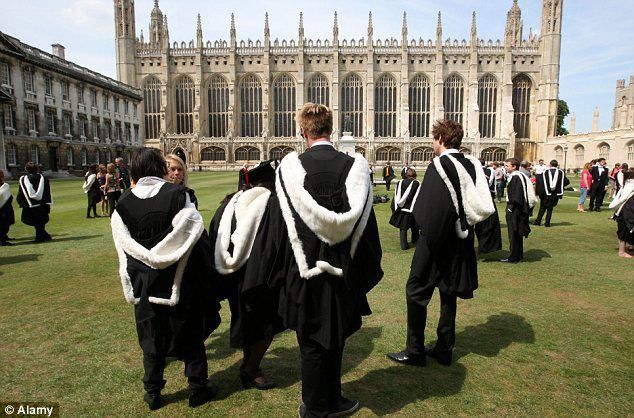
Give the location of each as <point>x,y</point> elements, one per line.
<point>61,115</point>
<point>616,145</point>
<point>222,102</point>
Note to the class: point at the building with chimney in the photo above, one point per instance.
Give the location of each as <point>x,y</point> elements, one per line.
<point>222,102</point>
<point>616,144</point>
<point>61,115</point>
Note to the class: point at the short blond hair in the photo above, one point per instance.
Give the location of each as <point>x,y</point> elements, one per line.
<point>315,120</point>
<point>180,161</point>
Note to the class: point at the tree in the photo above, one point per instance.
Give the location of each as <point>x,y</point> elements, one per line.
<point>562,112</point>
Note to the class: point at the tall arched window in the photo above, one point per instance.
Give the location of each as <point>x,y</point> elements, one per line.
<point>487,102</point>
<point>318,90</point>
<point>185,105</point>
<point>152,107</point>
<point>604,151</point>
<point>419,107</point>
<point>250,106</point>
<point>35,154</point>
<point>247,153</point>
<point>11,154</point>
<point>279,152</point>
<point>84,156</point>
<point>580,155</point>
<point>388,154</point>
<point>212,154</point>
<point>352,104</point>
<point>422,154</point>
<point>453,98</point>
<point>218,102</point>
<point>385,106</point>
<point>70,157</point>
<point>493,154</point>
<point>284,106</point>
<point>521,106</point>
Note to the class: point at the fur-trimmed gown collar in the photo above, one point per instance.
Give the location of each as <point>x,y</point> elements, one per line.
<point>174,248</point>
<point>529,191</point>
<point>328,226</point>
<point>5,194</point>
<point>626,193</point>
<point>247,207</point>
<point>474,198</point>
<point>31,195</point>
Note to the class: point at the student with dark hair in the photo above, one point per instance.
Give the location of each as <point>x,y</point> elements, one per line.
<point>454,197</point>
<point>388,175</point>
<point>164,266</point>
<point>239,232</point>
<point>405,196</point>
<point>624,214</point>
<point>520,199</point>
<point>34,197</point>
<point>112,187</point>
<point>92,190</point>
<point>550,190</point>
<point>7,216</point>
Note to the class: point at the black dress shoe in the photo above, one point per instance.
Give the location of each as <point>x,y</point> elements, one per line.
<point>537,223</point>
<point>344,407</point>
<point>250,382</point>
<point>203,396</point>
<point>442,357</point>
<point>403,358</point>
<point>153,400</point>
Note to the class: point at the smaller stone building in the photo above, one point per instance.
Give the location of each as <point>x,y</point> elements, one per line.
<point>616,145</point>
<point>60,115</point>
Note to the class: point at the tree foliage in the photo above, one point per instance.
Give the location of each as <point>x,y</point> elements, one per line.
<point>562,112</point>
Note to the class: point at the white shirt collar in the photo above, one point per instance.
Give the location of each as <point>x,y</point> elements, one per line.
<point>322,142</point>
<point>450,151</point>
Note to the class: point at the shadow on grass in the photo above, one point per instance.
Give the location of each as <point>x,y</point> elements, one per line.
<point>282,364</point>
<point>18,259</point>
<point>530,256</point>
<point>561,224</point>
<point>387,391</point>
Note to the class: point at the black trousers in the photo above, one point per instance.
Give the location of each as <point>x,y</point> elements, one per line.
<point>418,297</point>
<point>113,198</point>
<point>91,206</point>
<point>403,237</point>
<point>388,180</point>
<point>155,339</point>
<point>40,232</point>
<point>321,377</point>
<point>499,188</point>
<point>596,197</point>
<point>516,241</point>
<point>544,208</point>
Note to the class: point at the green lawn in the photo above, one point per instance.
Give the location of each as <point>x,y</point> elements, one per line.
<point>549,336</point>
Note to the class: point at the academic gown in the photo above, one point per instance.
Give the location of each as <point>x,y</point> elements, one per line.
<point>402,217</point>
<point>7,216</point>
<point>94,192</point>
<point>322,288</point>
<point>489,232</point>
<point>517,218</point>
<point>445,260</point>
<point>551,194</point>
<point>623,202</point>
<point>37,213</point>
<point>256,319</point>
<point>192,319</point>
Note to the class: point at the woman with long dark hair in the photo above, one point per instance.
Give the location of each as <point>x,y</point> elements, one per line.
<point>92,190</point>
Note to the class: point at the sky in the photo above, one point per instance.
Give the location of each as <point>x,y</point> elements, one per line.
<point>597,38</point>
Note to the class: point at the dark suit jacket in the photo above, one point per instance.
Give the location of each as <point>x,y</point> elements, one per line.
<point>601,180</point>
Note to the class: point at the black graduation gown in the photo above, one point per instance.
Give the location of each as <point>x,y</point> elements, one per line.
<point>489,233</point>
<point>256,319</point>
<point>38,212</point>
<point>548,195</point>
<point>446,261</point>
<point>324,308</point>
<point>7,216</point>
<point>196,315</point>
<point>94,193</point>
<point>518,210</point>
<point>402,217</point>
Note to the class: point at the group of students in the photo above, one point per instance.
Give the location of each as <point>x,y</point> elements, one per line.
<point>104,183</point>
<point>296,247</point>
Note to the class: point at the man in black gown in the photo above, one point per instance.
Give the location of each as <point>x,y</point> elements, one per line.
<point>520,199</point>
<point>34,197</point>
<point>551,190</point>
<point>324,258</point>
<point>445,257</point>
<point>599,183</point>
<point>164,264</point>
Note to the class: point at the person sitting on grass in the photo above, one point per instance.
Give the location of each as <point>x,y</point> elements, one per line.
<point>163,263</point>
